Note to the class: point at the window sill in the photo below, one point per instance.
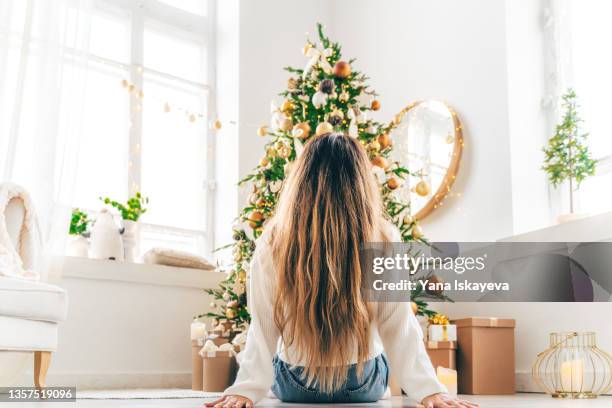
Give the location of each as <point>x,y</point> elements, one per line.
<point>97,269</point>
<point>591,228</point>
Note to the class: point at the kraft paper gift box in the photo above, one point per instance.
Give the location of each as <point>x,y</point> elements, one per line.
<point>442,353</point>
<point>196,365</point>
<point>218,370</point>
<point>442,332</point>
<point>485,358</point>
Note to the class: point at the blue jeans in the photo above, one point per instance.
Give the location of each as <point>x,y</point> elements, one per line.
<point>290,387</point>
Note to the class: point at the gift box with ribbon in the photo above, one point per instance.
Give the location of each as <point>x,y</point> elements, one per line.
<point>198,335</point>
<point>440,329</point>
<point>485,359</point>
<point>218,366</point>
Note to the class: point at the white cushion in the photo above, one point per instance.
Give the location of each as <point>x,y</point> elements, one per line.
<point>23,334</point>
<point>32,300</point>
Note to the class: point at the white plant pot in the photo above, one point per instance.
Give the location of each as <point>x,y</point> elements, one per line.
<point>563,218</point>
<point>131,240</point>
<point>78,246</point>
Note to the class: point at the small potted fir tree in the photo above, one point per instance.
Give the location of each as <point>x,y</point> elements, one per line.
<point>130,212</point>
<point>567,156</point>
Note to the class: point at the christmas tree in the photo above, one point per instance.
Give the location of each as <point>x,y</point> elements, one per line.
<point>567,155</point>
<point>327,95</point>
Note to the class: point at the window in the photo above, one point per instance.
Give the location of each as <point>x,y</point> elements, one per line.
<point>590,67</point>
<point>149,142</point>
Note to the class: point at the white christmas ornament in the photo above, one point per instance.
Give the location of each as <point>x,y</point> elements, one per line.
<point>277,120</point>
<point>319,99</point>
<point>275,186</point>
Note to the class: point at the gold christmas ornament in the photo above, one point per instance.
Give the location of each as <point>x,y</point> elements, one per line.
<point>375,105</point>
<point>384,140</point>
<point>255,219</point>
<point>237,257</point>
<point>231,313</point>
<point>374,146</point>
<point>217,124</point>
<point>125,83</point>
<point>262,131</point>
<point>323,128</point>
<point>284,152</point>
<point>288,106</point>
<point>393,183</point>
<point>380,161</point>
<point>301,130</point>
<point>422,188</point>
<point>408,219</point>
<point>232,304</point>
<point>242,276</point>
<point>417,232</point>
<point>286,124</point>
<point>263,162</point>
<point>342,69</point>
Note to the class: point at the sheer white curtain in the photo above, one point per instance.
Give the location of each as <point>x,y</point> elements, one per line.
<point>43,74</point>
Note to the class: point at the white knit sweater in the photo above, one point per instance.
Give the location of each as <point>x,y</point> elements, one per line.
<point>394,330</point>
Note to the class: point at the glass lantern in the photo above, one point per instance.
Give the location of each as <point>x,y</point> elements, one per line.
<point>573,367</point>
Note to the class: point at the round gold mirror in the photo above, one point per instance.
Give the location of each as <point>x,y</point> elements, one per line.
<point>428,141</point>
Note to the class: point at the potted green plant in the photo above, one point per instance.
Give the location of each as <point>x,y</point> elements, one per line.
<point>130,211</point>
<point>79,232</point>
<point>567,156</point>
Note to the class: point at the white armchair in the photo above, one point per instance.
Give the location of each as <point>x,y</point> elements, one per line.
<point>30,311</point>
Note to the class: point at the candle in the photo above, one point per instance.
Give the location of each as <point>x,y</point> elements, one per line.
<point>572,373</point>
<point>198,330</point>
<point>448,378</point>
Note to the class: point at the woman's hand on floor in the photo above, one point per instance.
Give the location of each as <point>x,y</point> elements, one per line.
<point>446,401</point>
<point>231,401</point>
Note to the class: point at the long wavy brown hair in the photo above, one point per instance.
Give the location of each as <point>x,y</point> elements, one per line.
<point>329,206</point>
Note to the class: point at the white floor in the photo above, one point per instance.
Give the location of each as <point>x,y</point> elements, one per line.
<point>514,401</point>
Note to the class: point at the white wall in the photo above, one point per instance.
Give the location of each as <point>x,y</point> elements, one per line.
<point>453,51</point>
<point>528,119</point>
<point>272,34</point>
